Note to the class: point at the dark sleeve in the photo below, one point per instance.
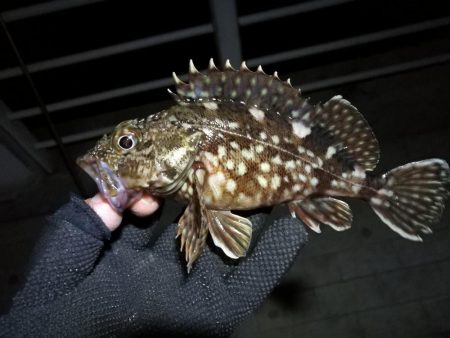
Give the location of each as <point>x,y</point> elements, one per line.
<point>64,256</point>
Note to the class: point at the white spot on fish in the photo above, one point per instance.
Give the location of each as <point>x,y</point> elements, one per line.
<point>215,182</point>
<point>257,114</point>
<point>276,182</point>
<point>356,188</point>
<point>300,149</point>
<point>259,148</point>
<point>296,188</point>
<point>221,151</point>
<point>308,169</point>
<point>210,105</point>
<point>302,177</point>
<point>314,181</point>
<point>275,139</point>
<point>262,181</point>
<point>234,145</point>
<point>233,125</point>
<point>276,160</point>
<point>359,172</point>
<point>265,167</point>
<point>376,201</point>
<point>231,185</point>
<point>300,129</point>
<point>390,193</point>
<point>190,191</point>
<point>241,169</point>
<point>334,183</point>
<point>330,152</point>
<point>290,164</point>
<point>229,165</point>
<point>262,135</point>
<point>248,154</point>
<point>212,158</point>
<point>242,196</point>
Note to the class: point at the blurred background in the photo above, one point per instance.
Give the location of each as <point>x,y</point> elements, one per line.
<point>71,69</point>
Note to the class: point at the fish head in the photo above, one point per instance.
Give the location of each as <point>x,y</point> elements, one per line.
<point>117,157</point>
<point>140,155</point>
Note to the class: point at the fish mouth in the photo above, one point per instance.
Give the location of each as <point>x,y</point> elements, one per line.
<point>111,186</point>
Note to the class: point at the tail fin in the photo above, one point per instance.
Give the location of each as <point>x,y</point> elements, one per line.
<point>412,197</point>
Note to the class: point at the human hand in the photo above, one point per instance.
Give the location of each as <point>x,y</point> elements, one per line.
<point>144,206</point>
<point>137,283</point>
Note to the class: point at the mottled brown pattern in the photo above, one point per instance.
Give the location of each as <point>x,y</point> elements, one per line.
<point>243,139</point>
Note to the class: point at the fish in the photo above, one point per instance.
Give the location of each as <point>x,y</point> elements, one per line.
<point>238,139</point>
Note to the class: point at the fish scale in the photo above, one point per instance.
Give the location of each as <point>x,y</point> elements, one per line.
<point>238,139</point>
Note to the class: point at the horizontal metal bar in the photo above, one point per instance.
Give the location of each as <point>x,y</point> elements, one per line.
<point>308,87</point>
<point>97,97</point>
<point>350,42</point>
<point>110,50</point>
<point>302,52</point>
<point>376,73</point>
<point>282,12</point>
<point>44,8</point>
<point>164,38</point>
<point>90,134</point>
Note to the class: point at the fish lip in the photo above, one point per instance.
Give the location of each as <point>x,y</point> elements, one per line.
<point>111,186</point>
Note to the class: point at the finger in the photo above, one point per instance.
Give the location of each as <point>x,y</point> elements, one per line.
<point>145,206</point>
<point>111,217</point>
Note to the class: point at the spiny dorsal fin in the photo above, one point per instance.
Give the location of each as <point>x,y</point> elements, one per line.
<point>349,131</point>
<point>255,89</point>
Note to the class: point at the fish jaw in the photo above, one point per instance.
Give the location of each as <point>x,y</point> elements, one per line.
<point>111,186</point>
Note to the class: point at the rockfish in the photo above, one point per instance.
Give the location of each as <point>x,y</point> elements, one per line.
<point>238,139</point>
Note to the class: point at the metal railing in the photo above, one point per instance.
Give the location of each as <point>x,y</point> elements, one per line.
<point>217,26</point>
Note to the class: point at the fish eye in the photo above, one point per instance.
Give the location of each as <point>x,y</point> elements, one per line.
<point>127,142</point>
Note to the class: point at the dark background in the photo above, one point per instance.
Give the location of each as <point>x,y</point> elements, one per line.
<point>96,63</point>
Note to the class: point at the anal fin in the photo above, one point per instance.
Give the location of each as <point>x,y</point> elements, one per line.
<point>325,210</point>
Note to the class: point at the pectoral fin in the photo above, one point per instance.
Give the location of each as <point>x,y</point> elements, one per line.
<point>193,230</point>
<point>193,226</point>
<point>231,233</point>
<point>326,210</point>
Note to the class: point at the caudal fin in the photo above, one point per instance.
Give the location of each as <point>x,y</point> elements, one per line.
<point>412,197</point>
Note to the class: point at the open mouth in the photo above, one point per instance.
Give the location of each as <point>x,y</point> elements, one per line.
<point>110,185</point>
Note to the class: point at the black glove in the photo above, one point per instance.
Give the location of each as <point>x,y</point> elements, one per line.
<point>81,284</point>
